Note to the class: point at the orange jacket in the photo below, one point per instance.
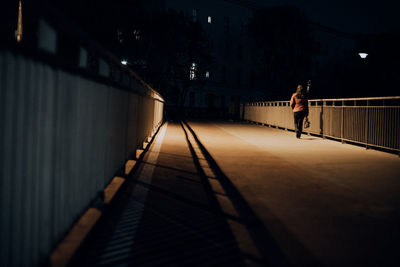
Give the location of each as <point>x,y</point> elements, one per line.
<point>299,104</point>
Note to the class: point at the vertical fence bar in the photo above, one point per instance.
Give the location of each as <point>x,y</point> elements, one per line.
<point>356,113</point>
<point>322,119</point>
<point>342,123</point>
<point>366,124</point>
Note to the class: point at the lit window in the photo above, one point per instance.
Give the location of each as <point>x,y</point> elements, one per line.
<point>83,58</point>
<point>119,36</point>
<point>137,34</point>
<point>194,15</point>
<point>209,19</point>
<point>207,74</point>
<point>192,74</point>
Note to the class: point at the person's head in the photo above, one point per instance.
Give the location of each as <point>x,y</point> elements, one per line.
<point>299,89</point>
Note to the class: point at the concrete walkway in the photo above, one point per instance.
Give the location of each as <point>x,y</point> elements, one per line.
<point>325,203</point>
<point>241,194</point>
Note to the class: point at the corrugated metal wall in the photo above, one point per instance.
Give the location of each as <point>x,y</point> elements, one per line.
<point>62,139</point>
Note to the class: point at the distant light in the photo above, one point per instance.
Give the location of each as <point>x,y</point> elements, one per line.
<point>137,34</point>
<point>363,55</point>
<point>207,74</point>
<point>209,19</point>
<point>192,73</point>
<point>124,62</point>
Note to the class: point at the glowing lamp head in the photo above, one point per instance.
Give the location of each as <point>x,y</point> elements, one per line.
<point>363,55</point>
<point>124,62</point>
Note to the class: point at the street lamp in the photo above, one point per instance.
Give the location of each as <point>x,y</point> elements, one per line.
<point>124,62</point>
<point>363,55</point>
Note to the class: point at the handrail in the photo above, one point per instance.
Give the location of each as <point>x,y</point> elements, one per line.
<point>357,120</point>
<point>331,100</point>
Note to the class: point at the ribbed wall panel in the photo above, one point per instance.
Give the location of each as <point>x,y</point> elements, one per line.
<point>62,139</point>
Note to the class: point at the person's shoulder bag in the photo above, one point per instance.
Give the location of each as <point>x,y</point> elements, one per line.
<point>306,123</point>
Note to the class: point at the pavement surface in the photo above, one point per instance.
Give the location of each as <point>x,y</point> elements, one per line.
<point>235,194</point>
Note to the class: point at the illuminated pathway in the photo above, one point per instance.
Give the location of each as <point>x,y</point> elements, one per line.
<point>234,194</point>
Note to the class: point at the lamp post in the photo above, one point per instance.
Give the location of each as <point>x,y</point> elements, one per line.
<point>364,75</point>
<point>18,32</point>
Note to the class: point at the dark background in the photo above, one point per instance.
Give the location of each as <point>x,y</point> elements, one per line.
<point>372,25</point>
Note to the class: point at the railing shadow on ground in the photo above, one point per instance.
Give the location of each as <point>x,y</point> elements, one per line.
<point>168,167</point>
<point>111,212</point>
<point>271,253</point>
<point>170,227</point>
<point>309,138</point>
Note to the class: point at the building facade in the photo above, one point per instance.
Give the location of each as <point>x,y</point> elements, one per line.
<point>334,58</point>
<point>229,79</point>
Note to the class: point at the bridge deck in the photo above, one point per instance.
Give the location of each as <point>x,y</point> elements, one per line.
<point>242,194</point>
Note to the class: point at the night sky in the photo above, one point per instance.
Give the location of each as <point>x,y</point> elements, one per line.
<point>355,16</point>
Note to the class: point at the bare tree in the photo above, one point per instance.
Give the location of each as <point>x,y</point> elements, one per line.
<point>170,43</point>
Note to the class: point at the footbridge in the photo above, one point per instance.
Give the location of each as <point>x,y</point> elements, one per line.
<point>92,174</point>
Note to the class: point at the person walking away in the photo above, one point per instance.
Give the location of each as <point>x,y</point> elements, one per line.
<point>299,104</point>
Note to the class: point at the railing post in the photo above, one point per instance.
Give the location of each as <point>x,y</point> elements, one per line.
<point>322,119</point>
<point>342,123</point>
<point>366,125</point>
<point>377,133</point>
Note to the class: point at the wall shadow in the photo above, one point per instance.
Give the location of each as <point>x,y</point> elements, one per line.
<point>176,223</point>
<point>261,236</point>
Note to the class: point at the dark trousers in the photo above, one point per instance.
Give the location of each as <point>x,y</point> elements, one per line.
<point>298,122</point>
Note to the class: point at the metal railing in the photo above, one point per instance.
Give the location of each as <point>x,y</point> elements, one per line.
<point>373,121</point>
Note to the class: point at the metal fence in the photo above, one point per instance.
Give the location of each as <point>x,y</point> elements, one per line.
<point>65,130</point>
<point>373,121</point>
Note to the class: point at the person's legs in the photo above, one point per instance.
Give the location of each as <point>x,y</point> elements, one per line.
<point>301,123</point>
<point>298,122</point>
